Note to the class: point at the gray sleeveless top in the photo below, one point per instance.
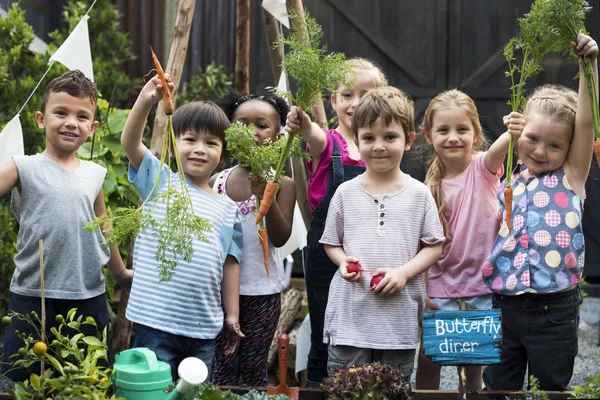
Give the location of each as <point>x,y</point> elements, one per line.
<point>55,205</point>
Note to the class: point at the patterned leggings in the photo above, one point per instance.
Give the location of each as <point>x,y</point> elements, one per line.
<point>259,316</point>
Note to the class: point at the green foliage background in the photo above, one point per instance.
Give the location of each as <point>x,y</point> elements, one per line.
<point>20,71</point>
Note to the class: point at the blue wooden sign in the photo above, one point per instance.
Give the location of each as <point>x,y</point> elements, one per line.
<point>471,337</point>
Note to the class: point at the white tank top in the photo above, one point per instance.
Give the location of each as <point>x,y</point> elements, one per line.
<point>253,276</point>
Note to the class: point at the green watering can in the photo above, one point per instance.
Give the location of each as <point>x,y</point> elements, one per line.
<point>140,376</point>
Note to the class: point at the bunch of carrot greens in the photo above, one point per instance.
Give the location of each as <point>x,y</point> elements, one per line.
<point>563,21</point>
<point>175,232</point>
<point>262,161</point>
<point>315,71</point>
<point>550,26</point>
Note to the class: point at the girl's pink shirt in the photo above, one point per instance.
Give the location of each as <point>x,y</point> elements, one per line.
<point>317,182</point>
<point>472,211</point>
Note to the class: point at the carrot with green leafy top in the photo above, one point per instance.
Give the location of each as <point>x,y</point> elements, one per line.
<point>167,98</point>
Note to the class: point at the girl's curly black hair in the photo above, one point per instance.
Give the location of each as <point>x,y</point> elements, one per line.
<point>231,101</point>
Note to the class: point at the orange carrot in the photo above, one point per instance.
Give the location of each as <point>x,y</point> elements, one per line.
<point>597,150</point>
<point>268,197</point>
<point>167,99</point>
<point>508,200</point>
<point>262,235</point>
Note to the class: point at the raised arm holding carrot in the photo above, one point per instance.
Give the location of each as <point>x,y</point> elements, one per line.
<point>199,132</point>
<point>538,264</point>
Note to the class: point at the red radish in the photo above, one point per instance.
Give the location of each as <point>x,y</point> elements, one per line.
<point>354,267</point>
<point>375,281</point>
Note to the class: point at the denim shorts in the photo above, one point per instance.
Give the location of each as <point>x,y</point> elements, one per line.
<point>483,302</point>
<point>173,349</point>
<point>539,335</point>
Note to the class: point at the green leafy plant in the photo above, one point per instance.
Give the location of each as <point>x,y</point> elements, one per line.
<point>20,71</point>
<point>110,46</point>
<point>175,232</point>
<point>314,70</point>
<point>208,391</point>
<point>210,84</point>
<point>532,48</point>
<point>367,381</point>
<point>260,159</point>
<point>309,63</point>
<point>534,392</point>
<point>589,391</point>
<point>559,23</point>
<point>73,365</point>
<point>8,249</point>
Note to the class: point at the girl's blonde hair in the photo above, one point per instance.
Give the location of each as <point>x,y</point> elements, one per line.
<point>363,64</point>
<point>447,100</point>
<point>556,102</point>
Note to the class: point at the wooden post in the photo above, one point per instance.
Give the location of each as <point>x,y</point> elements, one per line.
<point>242,47</point>
<point>275,51</point>
<point>276,58</point>
<point>179,45</point>
<point>296,7</point>
<point>123,327</point>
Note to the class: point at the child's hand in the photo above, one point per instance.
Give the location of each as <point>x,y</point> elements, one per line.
<point>515,123</point>
<point>430,305</point>
<point>298,122</point>
<point>125,280</point>
<point>393,281</point>
<point>234,334</point>
<point>152,92</point>
<point>258,187</point>
<point>350,276</point>
<point>585,46</point>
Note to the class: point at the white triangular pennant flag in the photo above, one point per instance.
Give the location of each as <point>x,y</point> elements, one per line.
<point>282,84</point>
<point>297,239</point>
<point>75,52</point>
<point>11,141</point>
<point>278,9</point>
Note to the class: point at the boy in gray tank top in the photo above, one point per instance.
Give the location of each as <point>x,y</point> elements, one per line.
<point>59,195</point>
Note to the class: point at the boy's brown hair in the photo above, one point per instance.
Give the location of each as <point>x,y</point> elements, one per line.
<point>388,103</point>
<point>74,83</point>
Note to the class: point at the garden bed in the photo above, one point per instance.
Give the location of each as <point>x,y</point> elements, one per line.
<point>316,394</point>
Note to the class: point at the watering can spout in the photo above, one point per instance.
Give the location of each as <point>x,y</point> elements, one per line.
<point>192,371</point>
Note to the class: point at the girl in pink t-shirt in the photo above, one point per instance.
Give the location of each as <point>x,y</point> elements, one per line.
<point>463,182</point>
<point>334,160</point>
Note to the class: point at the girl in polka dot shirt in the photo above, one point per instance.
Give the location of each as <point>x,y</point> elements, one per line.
<point>463,181</point>
<point>535,267</point>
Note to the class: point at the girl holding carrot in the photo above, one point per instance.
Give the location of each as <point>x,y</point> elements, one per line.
<point>534,268</point>
<point>463,181</point>
<point>334,159</point>
<point>259,290</point>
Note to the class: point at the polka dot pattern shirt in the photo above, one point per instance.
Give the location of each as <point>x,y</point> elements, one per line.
<point>544,252</point>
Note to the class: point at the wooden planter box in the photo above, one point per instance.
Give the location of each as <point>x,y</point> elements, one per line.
<point>316,394</point>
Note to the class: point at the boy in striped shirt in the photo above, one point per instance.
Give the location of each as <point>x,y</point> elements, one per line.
<point>182,317</point>
<point>388,222</point>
